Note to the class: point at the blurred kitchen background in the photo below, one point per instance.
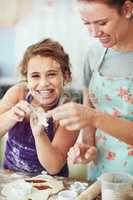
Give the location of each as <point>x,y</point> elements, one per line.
<point>23,22</point>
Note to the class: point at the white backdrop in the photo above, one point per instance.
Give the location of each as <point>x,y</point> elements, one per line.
<point>60,20</point>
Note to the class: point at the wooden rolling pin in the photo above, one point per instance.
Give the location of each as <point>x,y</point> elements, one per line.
<point>90,193</point>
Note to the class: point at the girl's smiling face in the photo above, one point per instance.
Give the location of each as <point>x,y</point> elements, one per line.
<point>45,81</point>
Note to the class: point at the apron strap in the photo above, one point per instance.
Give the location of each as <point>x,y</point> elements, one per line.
<point>100,61</point>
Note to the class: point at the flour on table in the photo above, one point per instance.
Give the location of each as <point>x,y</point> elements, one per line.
<point>35,188</point>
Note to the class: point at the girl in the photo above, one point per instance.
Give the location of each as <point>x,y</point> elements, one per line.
<point>30,146</point>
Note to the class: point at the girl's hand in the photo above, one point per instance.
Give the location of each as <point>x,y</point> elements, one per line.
<point>81,153</point>
<point>36,126</point>
<point>38,120</point>
<point>20,111</point>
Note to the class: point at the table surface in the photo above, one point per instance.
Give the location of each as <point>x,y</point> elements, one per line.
<point>6,177</point>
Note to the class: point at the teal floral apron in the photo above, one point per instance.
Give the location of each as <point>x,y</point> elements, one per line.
<point>113,95</point>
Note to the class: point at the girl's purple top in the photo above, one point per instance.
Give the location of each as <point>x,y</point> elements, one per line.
<point>20,153</point>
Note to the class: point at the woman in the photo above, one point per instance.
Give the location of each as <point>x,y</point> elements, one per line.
<point>108,74</point>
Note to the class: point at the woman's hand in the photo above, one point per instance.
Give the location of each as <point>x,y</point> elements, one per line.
<point>73,116</point>
<point>81,153</point>
<point>20,111</point>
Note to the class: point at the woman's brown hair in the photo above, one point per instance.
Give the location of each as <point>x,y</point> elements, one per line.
<point>115,3</point>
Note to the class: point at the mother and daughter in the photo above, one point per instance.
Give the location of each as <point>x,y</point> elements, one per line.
<point>107,115</point>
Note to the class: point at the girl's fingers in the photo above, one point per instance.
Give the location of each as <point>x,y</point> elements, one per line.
<point>33,119</point>
<point>18,111</point>
<point>17,114</point>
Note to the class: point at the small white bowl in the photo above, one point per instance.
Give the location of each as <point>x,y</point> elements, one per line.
<point>67,195</point>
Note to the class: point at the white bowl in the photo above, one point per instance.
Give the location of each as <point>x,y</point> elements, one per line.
<point>67,195</point>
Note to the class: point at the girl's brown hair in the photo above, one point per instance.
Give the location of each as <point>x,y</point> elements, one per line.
<point>47,48</point>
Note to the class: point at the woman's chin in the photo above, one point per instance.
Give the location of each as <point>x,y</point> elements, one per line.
<point>107,44</point>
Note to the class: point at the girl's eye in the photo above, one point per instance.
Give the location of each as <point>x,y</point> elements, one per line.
<point>52,74</point>
<point>35,76</point>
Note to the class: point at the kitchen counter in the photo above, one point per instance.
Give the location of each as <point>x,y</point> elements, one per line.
<point>7,176</point>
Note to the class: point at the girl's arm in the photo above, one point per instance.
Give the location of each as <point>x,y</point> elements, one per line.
<point>8,108</point>
<point>53,155</point>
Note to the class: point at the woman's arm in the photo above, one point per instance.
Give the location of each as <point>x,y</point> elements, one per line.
<point>76,116</point>
<point>85,151</point>
<point>88,133</point>
<point>114,126</point>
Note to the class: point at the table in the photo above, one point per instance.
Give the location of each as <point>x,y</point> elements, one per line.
<point>6,176</point>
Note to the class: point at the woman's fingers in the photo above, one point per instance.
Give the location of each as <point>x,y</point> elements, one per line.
<point>73,116</point>
<point>72,123</point>
<point>82,153</point>
<point>73,153</point>
<point>91,153</point>
<point>65,110</point>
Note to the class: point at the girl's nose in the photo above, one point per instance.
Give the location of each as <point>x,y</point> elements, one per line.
<point>44,82</point>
